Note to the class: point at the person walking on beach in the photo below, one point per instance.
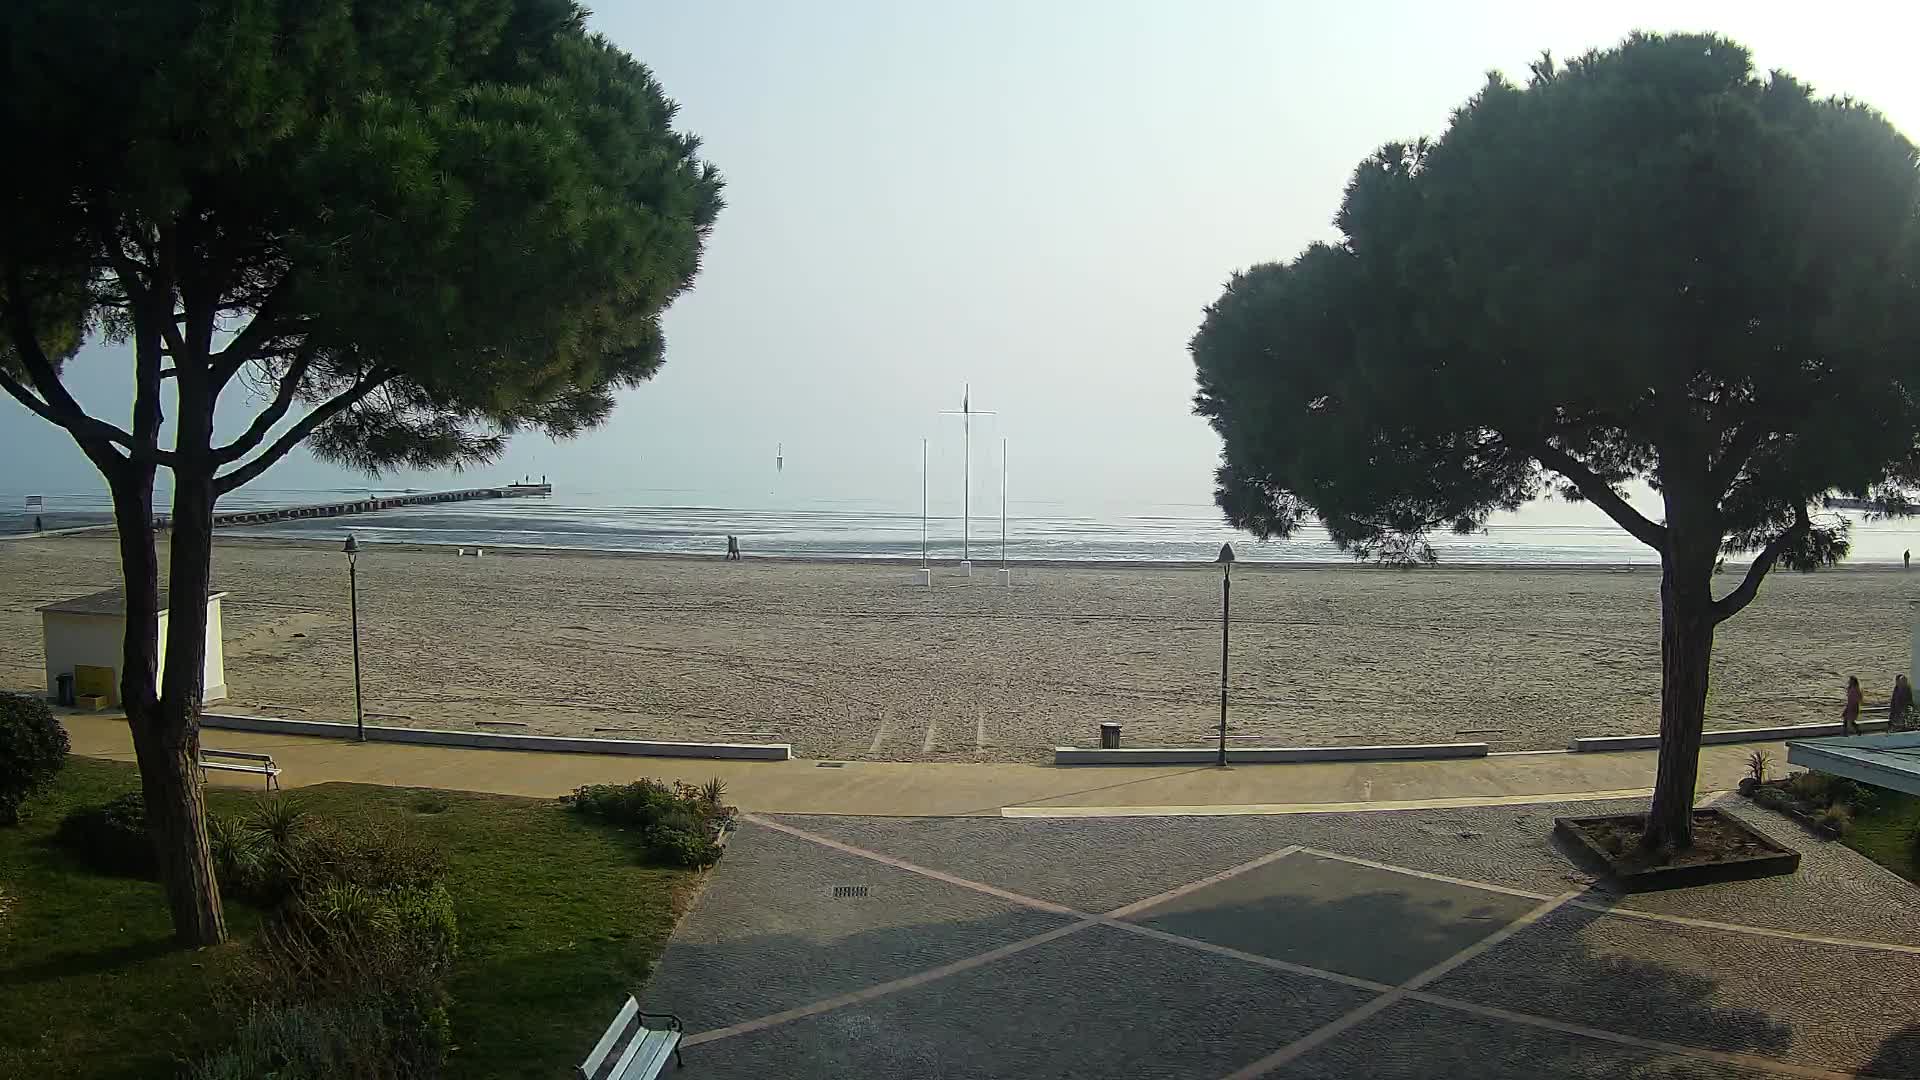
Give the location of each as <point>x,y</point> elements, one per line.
<point>1901,705</point>
<point>1850,715</point>
<point>733,548</point>
<point>1906,559</point>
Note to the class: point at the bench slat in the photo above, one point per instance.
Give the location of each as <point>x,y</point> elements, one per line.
<point>265,770</point>
<point>649,1054</point>
<point>629,1014</point>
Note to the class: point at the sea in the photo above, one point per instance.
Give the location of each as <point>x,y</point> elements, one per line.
<point>820,528</point>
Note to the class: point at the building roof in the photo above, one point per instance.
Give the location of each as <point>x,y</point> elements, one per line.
<point>105,602</point>
<point>1888,761</point>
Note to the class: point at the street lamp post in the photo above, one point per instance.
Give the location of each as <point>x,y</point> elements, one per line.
<point>352,548</point>
<point>1226,603</point>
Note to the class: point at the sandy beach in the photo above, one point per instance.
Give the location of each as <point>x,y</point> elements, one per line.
<point>852,661</point>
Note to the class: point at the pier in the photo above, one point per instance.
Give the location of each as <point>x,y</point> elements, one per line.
<point>367,506</point>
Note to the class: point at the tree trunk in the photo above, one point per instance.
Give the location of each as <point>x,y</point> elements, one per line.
<point>176,804</point>
<point>165,742</point>
<point>1686,658</point>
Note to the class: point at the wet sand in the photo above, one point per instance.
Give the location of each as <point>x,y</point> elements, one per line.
<point>851,660</point>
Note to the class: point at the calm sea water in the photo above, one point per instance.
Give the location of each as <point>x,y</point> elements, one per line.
<point>850,529</point>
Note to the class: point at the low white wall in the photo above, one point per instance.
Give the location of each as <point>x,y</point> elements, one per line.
<point>487,740</point>
<point>1726,735</point>
<point>1256,755</point>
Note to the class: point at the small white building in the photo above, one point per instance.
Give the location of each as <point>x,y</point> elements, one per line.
<point>90,631</point>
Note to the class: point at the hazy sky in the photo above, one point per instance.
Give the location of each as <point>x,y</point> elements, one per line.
<point>1037,198</point>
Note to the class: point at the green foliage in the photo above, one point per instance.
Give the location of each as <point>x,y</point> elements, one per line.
<point>360,921</point>
<point>1835,820</point>
<point>679,825</point>
<point>477,203</point>
<point>33,747</point>
<point>1758,763</point>
<point>111,837</point>
<point>714,791</point>
<point>352,1041</point>
<point>1721,288</point>
<point>1863,799</point>
<point>528,988</point>
<point>1812,788</point>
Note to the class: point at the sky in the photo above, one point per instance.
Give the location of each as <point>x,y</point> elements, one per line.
<point>1033,199</point>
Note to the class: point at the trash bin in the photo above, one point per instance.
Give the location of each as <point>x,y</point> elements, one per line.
<point>1109,736</point>
<point>63,689</point>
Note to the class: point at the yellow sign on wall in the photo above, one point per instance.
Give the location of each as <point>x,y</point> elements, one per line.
<point>92,679</point>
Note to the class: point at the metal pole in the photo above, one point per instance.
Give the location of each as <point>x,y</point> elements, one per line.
<point>1226,603</point>
<point>1003,502</point>
<point>966,485</point>
<point>353,601</point>
<point>923,502</point>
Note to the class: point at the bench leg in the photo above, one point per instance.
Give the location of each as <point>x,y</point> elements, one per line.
<point>678,1062</point>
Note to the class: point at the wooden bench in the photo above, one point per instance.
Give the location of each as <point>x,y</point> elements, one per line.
<point>240,761</point>
<point>630,1050</point>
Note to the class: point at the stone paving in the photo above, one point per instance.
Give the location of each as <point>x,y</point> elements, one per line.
<point>1437,943</point>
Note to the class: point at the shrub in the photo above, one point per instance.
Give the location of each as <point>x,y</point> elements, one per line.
<point>714,791</point>
<point>242,860</point>
<point>1835,820</point>
<point>369,1040</point>
<point>678,825</point>
<point>360,943</point>
<point>111,837</point>
<point>684,849</point>
<point>33,747</point>
<point>1757,764</point>
<point>1864,799</point>
<point>1811,787</point>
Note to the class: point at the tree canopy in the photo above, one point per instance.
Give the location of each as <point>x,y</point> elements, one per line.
<point>428,223</point>
<point>1645,264</point>
<point>1649,264</point>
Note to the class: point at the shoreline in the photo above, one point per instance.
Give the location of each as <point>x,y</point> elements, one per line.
<point>981,566</point>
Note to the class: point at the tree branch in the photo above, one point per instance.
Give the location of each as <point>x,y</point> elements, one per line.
<point>294,435</point>
<point>263,424</point>
<point>97,437</point>
<point>246,345</point>
<point>1729,605</point>
<point>1600,493</point>
<point>1746,438</point>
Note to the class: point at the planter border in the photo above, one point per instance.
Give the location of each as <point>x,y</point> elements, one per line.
<point>1254,755</point>
<point>1595,743</point>
<point>489,740</point>
<point>1783,860</point>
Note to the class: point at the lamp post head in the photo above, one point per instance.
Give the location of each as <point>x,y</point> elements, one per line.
<point>352,546</point>
<point>1226,553</point>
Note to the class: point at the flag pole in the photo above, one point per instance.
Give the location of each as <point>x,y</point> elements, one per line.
<point>1003,502</point>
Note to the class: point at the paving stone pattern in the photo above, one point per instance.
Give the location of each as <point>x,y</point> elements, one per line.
<point>1416,1041</point>
<point>1812,1004</point>
<point>1168,998</point>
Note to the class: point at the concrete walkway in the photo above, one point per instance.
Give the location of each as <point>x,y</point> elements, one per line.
<point>1456,942</point>
<point>953,790</point>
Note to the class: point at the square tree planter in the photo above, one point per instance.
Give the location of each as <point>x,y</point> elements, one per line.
<point>1725,849</point>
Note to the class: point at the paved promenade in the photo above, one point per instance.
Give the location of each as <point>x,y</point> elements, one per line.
<point>947,790</point>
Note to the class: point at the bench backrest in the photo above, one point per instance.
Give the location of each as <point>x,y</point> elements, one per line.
<point>600,1061</point>
<point>241,755</point>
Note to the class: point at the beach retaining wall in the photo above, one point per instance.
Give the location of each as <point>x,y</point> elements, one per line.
<point>1250,755</point>
<point>487,740</point>
<point>1726,735</point>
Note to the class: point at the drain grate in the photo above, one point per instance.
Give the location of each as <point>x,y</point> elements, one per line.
<point>830,765</point>
<point>845,892</point>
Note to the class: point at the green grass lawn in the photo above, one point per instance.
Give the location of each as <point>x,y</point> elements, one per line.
<point>558,921</point>
<point>1888,837</point>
